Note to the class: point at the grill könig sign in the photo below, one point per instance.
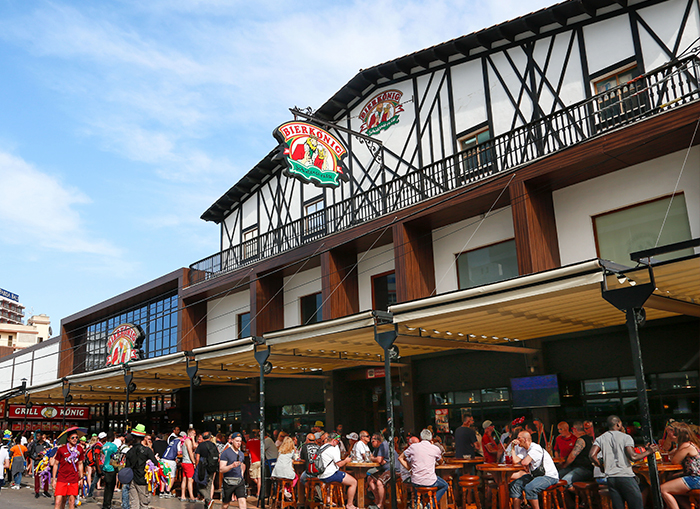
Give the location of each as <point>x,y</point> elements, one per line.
<point>124,344</point>
<point>48,412</point>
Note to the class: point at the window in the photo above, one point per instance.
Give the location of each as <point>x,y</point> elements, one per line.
<point>635,228</point>
<point>383,291</point>
<point>244,325</point>
<point>478,153</point>
<point>487,265</point>
<point>314,217</point>
<point>618,104</point>
<point>311,311</point>
<point>250,243</point>
<point>9,340</point>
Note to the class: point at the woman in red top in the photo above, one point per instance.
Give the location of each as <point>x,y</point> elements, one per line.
<point>67,467</point>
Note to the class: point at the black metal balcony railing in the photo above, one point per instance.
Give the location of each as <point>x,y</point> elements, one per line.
<point>667,87</point>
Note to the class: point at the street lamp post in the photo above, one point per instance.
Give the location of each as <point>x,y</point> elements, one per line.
<point>67,398</point>
<point>194,380</point>
<point>265,367</point>
<point>386,341</point>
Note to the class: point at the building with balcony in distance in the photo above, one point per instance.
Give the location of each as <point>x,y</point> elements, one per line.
<point>17,336</point>
<point>477,199</point>
<point>11,311</point>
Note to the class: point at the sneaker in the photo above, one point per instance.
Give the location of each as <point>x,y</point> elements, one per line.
<point>46,494</point>
<point>36,495</point>
<point>182,500</point>
<point>209,503</point>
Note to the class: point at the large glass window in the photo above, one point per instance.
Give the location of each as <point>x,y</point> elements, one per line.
<point>311,308</point>
<point>383,291</point>
<point>635,228</point>
<point>244,325</point>
<point>157,318</point>
<point>487,264</point>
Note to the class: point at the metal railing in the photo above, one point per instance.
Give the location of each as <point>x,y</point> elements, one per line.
<point>667,87</point>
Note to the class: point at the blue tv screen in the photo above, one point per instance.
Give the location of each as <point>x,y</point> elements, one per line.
<point>535,391</point>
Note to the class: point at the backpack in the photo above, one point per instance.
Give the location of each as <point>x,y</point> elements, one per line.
<point>170,453</point>
<point>119,458</point>
<point>211,462</point>
<point>91,456</point>
<point>315,466</point>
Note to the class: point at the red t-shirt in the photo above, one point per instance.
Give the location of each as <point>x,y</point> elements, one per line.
<point>253,447</point>
<point>68,463</point>
<point>489,457</point>
<point>565,445</point>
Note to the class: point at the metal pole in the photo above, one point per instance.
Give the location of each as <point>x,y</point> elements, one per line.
<point>191,372</point>
<point>128,377</point>
<point>632,318</point>
<point>66,393</point>
<point>261,356</point>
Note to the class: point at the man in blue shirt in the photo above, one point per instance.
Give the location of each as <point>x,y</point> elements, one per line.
<point>377,480</point>
<point>110,473</point>
<point>232,466</point>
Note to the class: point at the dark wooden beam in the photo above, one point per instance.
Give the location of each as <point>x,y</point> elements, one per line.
<point>413,261</point>
<point>339,283</point>
<point>192,324</point>
<point>266,304</point>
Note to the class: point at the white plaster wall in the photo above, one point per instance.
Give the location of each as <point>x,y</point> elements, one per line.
<point>575,205</point>
<point>469,97</point>
<point>665,20</point>
<point>296,286</point>
<point>608,42</point>
<point>250,211</point>
<point>370,263</point>
<point>572,89</point>
<point>222,315</point>
<point>451,240</point>
<point>232,224</point>
<point>501,105</point>
<point>45,364</point>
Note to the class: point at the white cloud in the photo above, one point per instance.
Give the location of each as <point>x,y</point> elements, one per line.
<point>38,210</point>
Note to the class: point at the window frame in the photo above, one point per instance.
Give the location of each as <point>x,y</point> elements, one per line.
<point>317,216</point>
<point>485,157</point>
<point>318,310</point>
<point>457,255</point>
<point>250,249</point>
<point>376,276</point>
<point>239,322</point>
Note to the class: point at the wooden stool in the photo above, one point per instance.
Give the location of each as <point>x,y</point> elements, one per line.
<point>492,488</point>
<point>694,496</point>
<point>336,495</point>
<point>400,496</point>
<point>470,490</point>
<point>311,485</point>
<point>556,491</point>
<point>279,501</point>
<point>469,478</point>
<point>426,497</point>
<point>587,491</point>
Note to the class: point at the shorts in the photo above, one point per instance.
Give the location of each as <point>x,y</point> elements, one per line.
<point>188,470</point>
<point>173,468</point>
<point>66,489</point>
<point>228,491</point>
<point>382,477</point>
<point>338,476</point>
<point>692,482</point>
<point>254,471</point>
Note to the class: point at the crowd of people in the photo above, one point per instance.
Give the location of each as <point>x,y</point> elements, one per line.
<point>141,465</point>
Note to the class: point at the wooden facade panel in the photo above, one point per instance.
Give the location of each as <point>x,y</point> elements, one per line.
<point>193,325</point>
<point>340,284</point>
<point>266,304</point>
<point>413,261</point>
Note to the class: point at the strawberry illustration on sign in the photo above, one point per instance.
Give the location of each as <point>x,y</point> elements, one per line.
<point>123,344</point>
<point>381,112</point>
<point>313,155</point>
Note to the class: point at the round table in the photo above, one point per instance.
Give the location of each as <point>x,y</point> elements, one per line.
<point>446,471</point>
<point>300,468</point>
<point>466,462</point>
<point>501,473</point>
<point>359,472</point>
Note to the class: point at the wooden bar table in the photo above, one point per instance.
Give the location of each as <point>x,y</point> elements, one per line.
<point>359,472</point>
<point>466,463</point>
<point>300,468</point>
<point>664,469</point>
<point>501,473</point>
<point>447,472</point>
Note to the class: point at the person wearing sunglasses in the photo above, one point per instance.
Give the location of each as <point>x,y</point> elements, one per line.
<point>67,465</point>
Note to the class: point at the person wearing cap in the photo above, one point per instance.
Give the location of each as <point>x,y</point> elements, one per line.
<point>67,465</point>
<point>489,446</point>
<point>360,451</point>
<point>137,459</point>
<point>330,456</point>
<point>352,439</point>
<point>108,470</point>
<point>232,467</point>
<point>97,467</point>
<point>420,459</point>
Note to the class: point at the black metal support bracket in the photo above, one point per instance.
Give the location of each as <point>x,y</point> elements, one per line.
<point>631,299</point>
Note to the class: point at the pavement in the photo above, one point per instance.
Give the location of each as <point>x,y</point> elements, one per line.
<point>24,499</point>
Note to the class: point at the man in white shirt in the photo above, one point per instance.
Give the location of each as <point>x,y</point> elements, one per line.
<point>4,463</point>
<point>330,455</point>
<point>360,452</point>
<point>537,479</point>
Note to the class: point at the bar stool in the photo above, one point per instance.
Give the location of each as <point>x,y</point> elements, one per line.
<point>587,490</point>
<point>279,501</point>
<point>556,491</point>
<point>492,487</point>
<point>470,490</point>
<point>426,497</point>
<point>312,485</point>
<point>400,499</point>
<point>694,496</point>
<point>335,495</point>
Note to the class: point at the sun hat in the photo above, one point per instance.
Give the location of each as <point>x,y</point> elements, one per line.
<point>139,431</point>
<point>352,436</point>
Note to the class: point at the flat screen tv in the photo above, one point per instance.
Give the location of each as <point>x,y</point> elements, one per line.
<point>535,391</point>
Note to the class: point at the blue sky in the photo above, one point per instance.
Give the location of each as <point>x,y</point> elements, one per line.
<point>122,121</point>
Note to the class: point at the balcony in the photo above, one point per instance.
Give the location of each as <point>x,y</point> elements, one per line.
<point>646,96</point>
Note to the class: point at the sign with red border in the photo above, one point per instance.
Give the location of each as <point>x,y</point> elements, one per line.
<point>48,412</point>
<point>311,154</point>
<point>375,373</point>
<point>123,344</point>
<point>381,112</point>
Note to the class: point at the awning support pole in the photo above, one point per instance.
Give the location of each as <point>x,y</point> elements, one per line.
<point>386,341</point>
<point>66,396</point>
<point>631,299</point>
<point>191,372</point>
<point>128,378</point>
<point>261,356</point>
